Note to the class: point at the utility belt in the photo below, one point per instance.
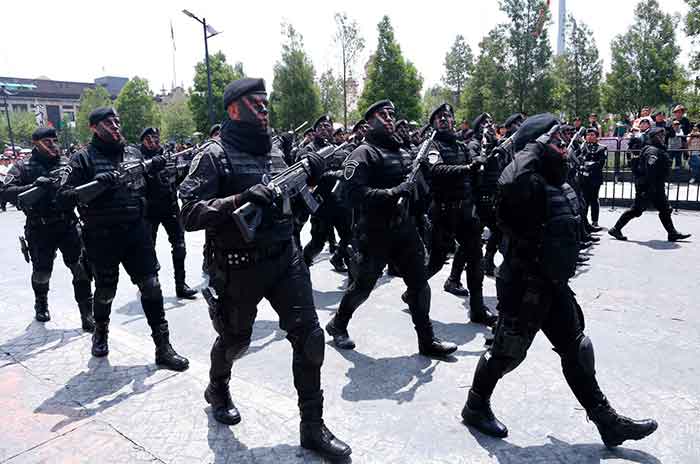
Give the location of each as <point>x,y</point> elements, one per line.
<point>452,205</point>
<point>242,258</point>
<point>112,216</point>
<point>36,221</point>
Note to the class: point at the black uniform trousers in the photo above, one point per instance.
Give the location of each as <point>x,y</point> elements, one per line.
<point>331,215</point>
<point>453,221</point>
<point>44,239</point>
<point>591,190</point>
<point>169,218</point>
<point>526,306</point>
<point>645,197</point>
<point>129,244</point>
<point>241,280</point>
<point>487,215</point>
<point>400,246</point>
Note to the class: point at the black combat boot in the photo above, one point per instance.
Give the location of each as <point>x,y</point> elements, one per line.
<point>100,348</point>
<point>479,313</point>
<point>477,413</point>
<point>41,302</point>
<point>615,429</point>
<point>86,318</point>
<point>616,233</point>
<point>165,354</point>
<point>487,264</point>
<point>431,346</point>
<point>218,396</point>
<point>673,234</point>
<point>455,287</point>
<point>182,290</point>
<point>313,433</point>
<point>338,263</point>
<point>341,339</point>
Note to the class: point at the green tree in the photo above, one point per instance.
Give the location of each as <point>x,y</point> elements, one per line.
<point>23,125</point>
<point>295,95</point>
<point>692,28</point>
<point>350,44</point>
<point>644,62</point>
<point>487,89</point>
<point>137,108</point>
<point>222,74</point>
<point>331,94</point>
<point>390,75</point>
<point>529,54</point>
<point>177,121</point>
<point>90,99</point>
<point>434,97</point>
<point>578,72</point>
<point>459,64</point>
<point>67,134</point>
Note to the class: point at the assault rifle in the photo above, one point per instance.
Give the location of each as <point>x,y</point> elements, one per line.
<point>277,138</point>
<point>416,175</point>
<point>30,197</point>
<point>129,172</point>
<point>286,185</point>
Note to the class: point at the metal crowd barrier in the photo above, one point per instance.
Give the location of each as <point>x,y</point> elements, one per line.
<point>618,183</point>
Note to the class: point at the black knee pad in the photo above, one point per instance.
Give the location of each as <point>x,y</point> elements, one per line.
<point>580,356</point>
<point>41,277</point>
<point>105,295</point>
<point>510,349</point>
<point>179,250</point>
<point>78,270</point>
<point>315,346</point>
<point>150,288</point>
<point>637,212</point>
<point>237,349</point>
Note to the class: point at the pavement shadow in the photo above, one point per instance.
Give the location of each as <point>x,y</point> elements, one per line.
<point>134,308</point>
<point>38,339</point>
<point>660,245</point>
<point>386,378</point>
<point>263,329</point>
<point>97,389</point>
<point>558,451</point>
<point>227,448</point>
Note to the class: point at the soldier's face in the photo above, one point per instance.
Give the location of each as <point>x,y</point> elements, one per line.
<point>253,109</point>
<point>384,120</point>
<point>48,146</point>
<point>403,132</point>
<point>444,121</point>
<point>362,131</point>
<point>591,137</point>
<point>152,142</point>
<point>109,129</point>
<point>324,130</point>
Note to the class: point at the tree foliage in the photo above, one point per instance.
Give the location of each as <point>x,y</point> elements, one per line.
<point>331,95</point>
<point>23,125</point>
<point>578,72</point>
<point>222,74</point>
<point>390,75</point>
<point>177,121</point>
<point>67,134</point>
<point>295,96</point>
<point>90,99</point>
<point>137,109</point>
<point>434,97</point>
<point>459,64</point>
<point>644,62</point>
<point>692,28</point>
<point>350,44</point>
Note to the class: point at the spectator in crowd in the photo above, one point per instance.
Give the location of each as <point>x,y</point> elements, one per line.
<point>577,123</point>
<point>694,147</point>
<point>644,113</point>
<point>622,126</point>
<point>679,114</point>
<point>676,143</point>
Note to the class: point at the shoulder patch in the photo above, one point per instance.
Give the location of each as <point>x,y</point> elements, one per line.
<point>349,170</point>
<point>8,178</point>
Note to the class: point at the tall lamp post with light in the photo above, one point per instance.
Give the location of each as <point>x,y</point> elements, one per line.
<point>209,32</point>
<point>6,93</point>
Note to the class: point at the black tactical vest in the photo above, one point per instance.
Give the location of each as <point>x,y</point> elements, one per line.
<point>36,166</point>
<point>119,205</point>
<point>392,168</point>
<point>560,234</point>
<point>161,187</point>
<point>239,171</point>
<point>458,188</point>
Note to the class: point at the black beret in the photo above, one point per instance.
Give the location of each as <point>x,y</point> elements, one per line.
<point>101,113</point>
<point>43,133</point>
<point>656,130</point>
<point>401,122</point>
<point>593,130</point>
<point>376,106</point>
<point>479,120</point>
<point>149,131</point>
<point>567,128</point>
<point>533,127</point>
<point>237,89</point>
<point>358,124</point>
<point>443,107</point>
<point>513,119</point>
<point>214,128</point>
<point>323,118</point>
<point>308,131</point>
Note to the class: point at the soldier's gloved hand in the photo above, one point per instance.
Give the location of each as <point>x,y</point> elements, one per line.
<point>109,178</point>
<point>332,175</point>
<point>258,194</point>
<point>44,182</point>
<point>158,162</point>
<point>316,167</point>
<point>404,189</point>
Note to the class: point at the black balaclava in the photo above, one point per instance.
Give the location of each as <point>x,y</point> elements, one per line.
<point>444,122</point>
<point>108,137</point>
<point>249,133</point>
<point>382,128</point>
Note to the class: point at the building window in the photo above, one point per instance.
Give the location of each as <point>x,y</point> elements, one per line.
<point>19,107</point>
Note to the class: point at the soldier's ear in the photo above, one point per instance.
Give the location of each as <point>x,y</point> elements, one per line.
<point>234,112</point>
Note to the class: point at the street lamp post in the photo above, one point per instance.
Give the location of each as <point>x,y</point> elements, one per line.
<point>209,32</point>
<point>5,93</point>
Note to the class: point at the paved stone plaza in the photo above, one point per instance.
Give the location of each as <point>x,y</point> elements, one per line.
<point>640,298</point>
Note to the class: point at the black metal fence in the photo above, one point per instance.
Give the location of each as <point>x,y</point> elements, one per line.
<point>618,183</point>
